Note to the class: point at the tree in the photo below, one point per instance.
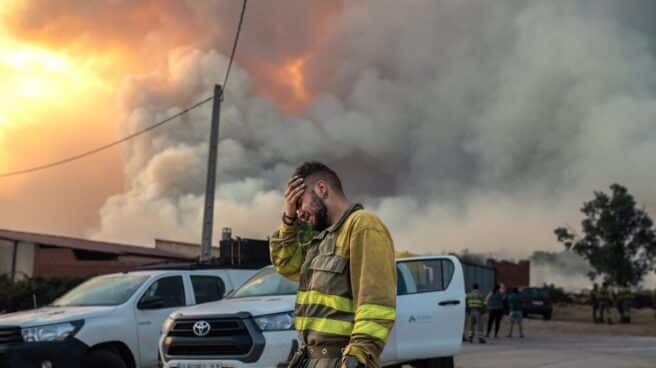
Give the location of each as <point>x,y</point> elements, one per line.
<point>619,240</point>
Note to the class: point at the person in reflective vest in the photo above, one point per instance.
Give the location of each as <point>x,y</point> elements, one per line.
<point>605,303</point>
<point>475,307</point>
<point>624,302</point>
<point>346,300</point>
<point>594,300</point>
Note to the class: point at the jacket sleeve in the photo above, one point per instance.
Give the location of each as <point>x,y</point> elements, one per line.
<point>286,251</point>
<point>373,282</point>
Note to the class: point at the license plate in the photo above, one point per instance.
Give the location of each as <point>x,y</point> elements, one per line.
<point>201,365</point>
<point>538,302</point>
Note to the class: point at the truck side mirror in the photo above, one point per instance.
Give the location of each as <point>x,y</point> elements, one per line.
<point>151,302</point>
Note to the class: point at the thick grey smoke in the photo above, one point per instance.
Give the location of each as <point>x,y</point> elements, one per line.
<point>464,124</point>
<point>564,269</point>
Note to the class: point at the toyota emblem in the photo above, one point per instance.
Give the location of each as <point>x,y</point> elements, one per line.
<point>201,328</point>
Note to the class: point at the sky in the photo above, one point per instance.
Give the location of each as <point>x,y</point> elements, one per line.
<point>463,123</point>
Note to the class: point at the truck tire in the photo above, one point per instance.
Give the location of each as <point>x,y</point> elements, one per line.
<point>444,362</point>
<point>547,316</point>
<point>103,359</point>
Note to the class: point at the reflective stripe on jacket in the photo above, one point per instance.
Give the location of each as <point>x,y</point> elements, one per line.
<point>475,300</point>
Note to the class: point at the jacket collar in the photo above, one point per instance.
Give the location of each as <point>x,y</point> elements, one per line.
<point>337,225</point>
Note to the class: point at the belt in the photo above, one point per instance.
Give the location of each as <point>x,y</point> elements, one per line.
<point>324,352</point>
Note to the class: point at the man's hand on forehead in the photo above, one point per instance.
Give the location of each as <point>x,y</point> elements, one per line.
<point>293,192</point>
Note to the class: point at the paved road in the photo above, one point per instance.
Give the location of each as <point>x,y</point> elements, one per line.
<point>550,351</point>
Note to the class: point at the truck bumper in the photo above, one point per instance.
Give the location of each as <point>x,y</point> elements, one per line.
<point>538,309</point>
<point>60,354</point>
<point>278,350</point>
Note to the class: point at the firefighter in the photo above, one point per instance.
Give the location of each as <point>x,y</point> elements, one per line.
<point>594,300</point>
<point>624,301</point>
<point>605,303</point>
<point>346,301</point>
<point>475,305</point>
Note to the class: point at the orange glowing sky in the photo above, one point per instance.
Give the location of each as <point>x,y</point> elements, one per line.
<point>56,100</point>
<point>47,95</point>
<point>61,67</point>
<point>44,75</point>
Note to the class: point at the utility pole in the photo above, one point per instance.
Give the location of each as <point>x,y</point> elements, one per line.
<point>13,261</point>
<point>208,215</point>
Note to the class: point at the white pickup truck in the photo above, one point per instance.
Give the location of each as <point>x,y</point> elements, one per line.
<point>110,321</point>
<point>253,326</point>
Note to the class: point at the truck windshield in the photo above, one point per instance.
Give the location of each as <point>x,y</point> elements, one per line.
<point>102,290</point>
<point>264,283</point>
<point>537,293</point>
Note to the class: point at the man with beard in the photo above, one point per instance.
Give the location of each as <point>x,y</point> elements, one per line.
<point>345,306</point>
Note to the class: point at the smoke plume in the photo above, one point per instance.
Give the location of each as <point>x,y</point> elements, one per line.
<point>464,124</point>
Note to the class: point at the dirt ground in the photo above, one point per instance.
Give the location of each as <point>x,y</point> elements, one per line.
<point>569,340</point>
<point>578,320</point>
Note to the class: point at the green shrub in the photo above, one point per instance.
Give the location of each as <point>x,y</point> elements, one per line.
<point>20,295</point>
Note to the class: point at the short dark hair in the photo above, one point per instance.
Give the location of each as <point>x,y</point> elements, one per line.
<point>314,170</point>
<point>475,286</point>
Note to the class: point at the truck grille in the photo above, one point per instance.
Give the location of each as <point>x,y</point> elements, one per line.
<point>218,327</point>
<point>227,337</point>
<point>205,350</point>
<point>9,335</point>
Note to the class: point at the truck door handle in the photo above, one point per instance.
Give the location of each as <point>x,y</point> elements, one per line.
<point>449,302</point>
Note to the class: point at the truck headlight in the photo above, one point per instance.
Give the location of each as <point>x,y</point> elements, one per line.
<point>54,332</point>
<point>275,322</point>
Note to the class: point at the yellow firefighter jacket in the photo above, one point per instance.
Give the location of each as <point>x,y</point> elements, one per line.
<point>475,300</point>
<point>347,283</point>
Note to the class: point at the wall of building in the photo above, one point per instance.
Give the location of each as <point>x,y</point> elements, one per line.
<point>189,250</point>
<point>62,262</point>
<point>6,255</point>
<point>512,274</point>
<point>24,259</point>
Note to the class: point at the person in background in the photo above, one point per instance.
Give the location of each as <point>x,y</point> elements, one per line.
<point>494,302</point>
<point>504,292</point>
<point>624,302</point>
<point>515,304</point>
<point>475,305</point>
<point>594,300</point>
<point>605,303</point>
<point>653,302</point>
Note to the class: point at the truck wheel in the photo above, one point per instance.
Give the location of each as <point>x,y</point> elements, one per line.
<point>445,362</point>
<point>547,316</point>
<point>103,359</point>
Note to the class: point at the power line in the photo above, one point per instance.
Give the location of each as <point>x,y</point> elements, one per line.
<point>234,45</point>
<point>106,146</point>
